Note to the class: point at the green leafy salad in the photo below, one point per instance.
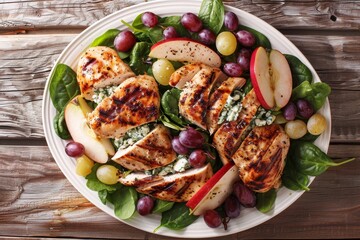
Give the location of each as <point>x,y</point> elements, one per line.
<point>188,116</point>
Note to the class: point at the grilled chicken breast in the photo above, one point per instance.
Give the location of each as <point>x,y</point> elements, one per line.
<point>218,100</point>
<point>261,157</point>
<point>178,187</point>
<point>135,102</point>
<point>184,74</point>
<point>195,96</point>
<point>99,67</point>
<point>228,137</point>
<point>153,151</point>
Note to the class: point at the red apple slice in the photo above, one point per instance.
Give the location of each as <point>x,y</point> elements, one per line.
<point>95,148</point>
<point>215,191</point>
<point>185,50</point>
<point>271,78</point>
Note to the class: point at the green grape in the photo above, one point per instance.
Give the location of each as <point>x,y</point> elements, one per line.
<point>162,70</point>
<point>295,129</point>
<point>108,174</point>
<point>316,124</point>
<point>226,43</point>
<point>83,166</point>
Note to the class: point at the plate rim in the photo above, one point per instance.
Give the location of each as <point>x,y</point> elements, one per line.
<point>49,132</point>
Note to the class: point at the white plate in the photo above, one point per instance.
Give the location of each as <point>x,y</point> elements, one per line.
<point>248,217</point>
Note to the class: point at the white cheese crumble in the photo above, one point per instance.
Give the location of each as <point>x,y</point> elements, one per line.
<point>101,93</point>
<point>232,107</point>
<point>132,136</point>
<point>181,164</point>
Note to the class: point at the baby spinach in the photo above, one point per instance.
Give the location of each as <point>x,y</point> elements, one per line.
<point>292,178</point>
<point>299,71</point>
<point>168,123</point>
<point>124,201</point>
<point>138,58</point>
<point>63,86</point>
<point>310,160</point>
<point>60,126</point>
<point>169,104</point>
<point>315,93</point>
<point>162,206</point>
<point>261,39</point>
<point>177,218</point>
<point>174,21</point>
<point>106,39</point>
<point>212,14</point>
<point>265,201</point>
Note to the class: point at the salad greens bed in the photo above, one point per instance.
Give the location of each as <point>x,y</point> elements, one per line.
<point>304,158</point>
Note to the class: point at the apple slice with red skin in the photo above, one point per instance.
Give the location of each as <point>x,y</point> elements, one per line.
<point>215,191</point>
<point>75,117</point>
<point>185,50</point>
<point>271,78</point>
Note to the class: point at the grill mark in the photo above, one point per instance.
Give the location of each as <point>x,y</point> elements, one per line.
<point>90,61</point>
<point>183,189</point>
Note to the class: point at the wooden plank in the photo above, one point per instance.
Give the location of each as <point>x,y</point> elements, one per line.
<point>37,200</point>
<point>26,60</point>
<point>282,14</point>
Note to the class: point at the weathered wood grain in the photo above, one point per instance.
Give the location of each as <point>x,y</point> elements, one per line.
<point>310,14</point>
<point>26,60</point>
<point>37,200</point>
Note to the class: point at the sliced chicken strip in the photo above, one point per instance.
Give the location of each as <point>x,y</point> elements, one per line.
<point>184,74</point>
<point>137,179</point>
<point>99,67</point>
<point>228,137</point>
<point>218,100</point>
<point>261,157</point>
<point>179,187</point>
<point>151,152</point>
<point>195,96</point>
<point>135,102</point>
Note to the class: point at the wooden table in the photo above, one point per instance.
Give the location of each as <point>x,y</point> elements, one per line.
<point>36,200</point>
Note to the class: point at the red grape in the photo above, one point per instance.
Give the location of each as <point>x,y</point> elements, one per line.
<point>197,158</point>
<point>191,138</point>
<point>245,38</point>
<point>289,111</point>
<point>212,218</point>
<point>232,207</point>
<point>124,41</point>
<point>231,21</point>
<point>149,19</point>
<point>245,196</point>
<point>170,32</point>
<point>243,58</point>
<point>145,205</point>
<point>304,108</point>
<point>207,37</point>
<point>233,69</point>
<point>74,149</point>
<point>191,22</point>
<point>178,147</point>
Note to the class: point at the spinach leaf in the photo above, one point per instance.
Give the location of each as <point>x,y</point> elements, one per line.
<point>60,126</point>
<point>310,160</point>
<point>292,178</point>
<point>94,183</point>
<point>299,71</point>
<point>168,123</point>
<point>138,58</point>
<point>169,104</point>
<point>265,201</point>
<point>212,14</point>
<point>155,34</point>
<point>106,39</point>
<point>143,33</point>
<point>261,39</point>
<point>162,206</point>
<point>309,137</point>
<point>124,201</point>
<point>314,93</point>
<point>248,86</point>
<point>174,21</point>
<point>63,86</point>
<point>177,218</point>
<point>105,196</point>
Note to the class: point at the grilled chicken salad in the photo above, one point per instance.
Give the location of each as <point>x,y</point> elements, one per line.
<point>179,114</point>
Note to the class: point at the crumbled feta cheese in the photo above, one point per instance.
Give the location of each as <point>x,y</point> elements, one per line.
<point>101,93</point>
<point>132,136</point>
<point>232,107</point>
<point>181,164</point>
